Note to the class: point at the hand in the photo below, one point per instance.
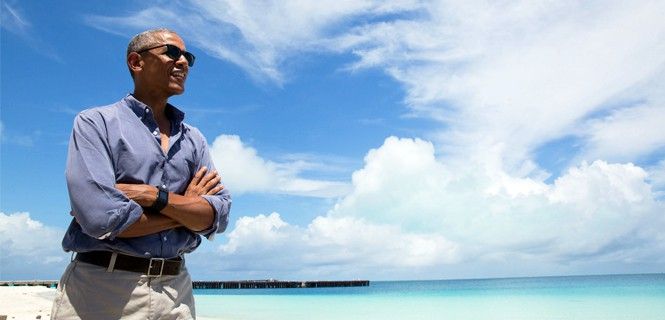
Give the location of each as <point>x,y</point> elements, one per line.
<point>145,195</point>
<point>204,184</point>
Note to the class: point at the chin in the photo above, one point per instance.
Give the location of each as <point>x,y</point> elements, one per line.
<point>177,91</point>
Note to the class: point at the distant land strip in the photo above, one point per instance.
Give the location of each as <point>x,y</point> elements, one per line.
<point>241,284</point>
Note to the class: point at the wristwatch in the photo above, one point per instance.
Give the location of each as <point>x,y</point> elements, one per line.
<point>161,201</point>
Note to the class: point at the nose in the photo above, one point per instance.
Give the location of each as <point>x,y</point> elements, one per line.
<point>181,62</point>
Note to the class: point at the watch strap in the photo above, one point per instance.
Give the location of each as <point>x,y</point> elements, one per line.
<point>161,201</point>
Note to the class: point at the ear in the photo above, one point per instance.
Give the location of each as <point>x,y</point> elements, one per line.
<point>134,62</point>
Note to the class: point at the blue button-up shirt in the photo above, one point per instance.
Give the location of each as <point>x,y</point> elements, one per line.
<point>120,143</point>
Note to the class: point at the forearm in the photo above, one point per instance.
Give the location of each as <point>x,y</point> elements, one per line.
<point>149,224</point>
<point>193,212</point>
<point>190,210</point>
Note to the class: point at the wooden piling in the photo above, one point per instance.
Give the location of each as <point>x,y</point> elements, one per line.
<point>14,283</point>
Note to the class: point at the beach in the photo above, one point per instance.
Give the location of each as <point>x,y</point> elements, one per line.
<point>26,302</point>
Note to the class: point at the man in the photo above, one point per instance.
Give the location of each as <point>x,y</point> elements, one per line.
<point>143,190</point>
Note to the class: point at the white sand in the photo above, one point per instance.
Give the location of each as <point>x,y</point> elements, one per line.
<point>30,302</point>
<point>26,302</point>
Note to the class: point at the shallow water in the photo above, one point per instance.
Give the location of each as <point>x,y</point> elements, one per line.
<point>582,297</point>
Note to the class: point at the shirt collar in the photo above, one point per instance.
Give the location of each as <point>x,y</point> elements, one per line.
<point>144,112</point>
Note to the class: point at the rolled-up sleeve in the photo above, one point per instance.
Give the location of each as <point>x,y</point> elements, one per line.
<point>101,210</point>
<point>220,202</point>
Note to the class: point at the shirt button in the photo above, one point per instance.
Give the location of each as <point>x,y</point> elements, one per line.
<point>164,238</point>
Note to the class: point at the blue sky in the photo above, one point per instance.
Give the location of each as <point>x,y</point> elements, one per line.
<point>367,139</point>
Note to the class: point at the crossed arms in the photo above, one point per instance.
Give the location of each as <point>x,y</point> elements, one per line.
<point>189,210</point>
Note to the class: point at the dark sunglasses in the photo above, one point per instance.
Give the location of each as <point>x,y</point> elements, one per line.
<point>174,53</point>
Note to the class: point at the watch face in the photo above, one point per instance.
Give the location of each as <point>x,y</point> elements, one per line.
<point>163,195</point>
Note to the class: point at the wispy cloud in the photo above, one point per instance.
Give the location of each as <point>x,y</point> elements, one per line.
<point>508,75</point>
<point>627,133</point>
<point>516,75</point>
<point>243,170</point>
<point>12,20</point>
<point>24,140</point>
<point>257,36</point>
<point>222,110</point>
<point>16,22</point>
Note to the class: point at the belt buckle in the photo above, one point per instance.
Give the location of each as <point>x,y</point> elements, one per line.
<point>150,267</point>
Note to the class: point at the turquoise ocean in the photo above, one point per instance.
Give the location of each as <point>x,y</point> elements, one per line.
<point>570,297</point>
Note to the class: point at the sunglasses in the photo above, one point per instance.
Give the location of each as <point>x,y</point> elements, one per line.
<point>174,53</point>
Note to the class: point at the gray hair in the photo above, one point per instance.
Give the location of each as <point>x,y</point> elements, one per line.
<point>144,40</point>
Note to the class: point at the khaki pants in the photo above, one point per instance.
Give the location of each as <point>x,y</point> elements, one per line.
<point>87,291</point>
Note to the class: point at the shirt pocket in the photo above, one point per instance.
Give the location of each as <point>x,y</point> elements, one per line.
<point>137,161</point>
<point>182,167</point>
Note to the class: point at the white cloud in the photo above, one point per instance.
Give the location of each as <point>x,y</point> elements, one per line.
<point>28,247</point>
<point>409,209</point>
<point>243,170</point>
<point>343,246</point>
<point>627,133</point>
<point>483,208</point>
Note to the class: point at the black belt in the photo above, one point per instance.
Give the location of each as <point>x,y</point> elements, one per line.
<point>152,267</point>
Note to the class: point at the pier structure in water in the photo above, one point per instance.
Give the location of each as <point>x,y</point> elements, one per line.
<point>238,284</point>
<point>277,284</point>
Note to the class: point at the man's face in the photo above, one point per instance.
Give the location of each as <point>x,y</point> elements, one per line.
<point>161,74</point>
